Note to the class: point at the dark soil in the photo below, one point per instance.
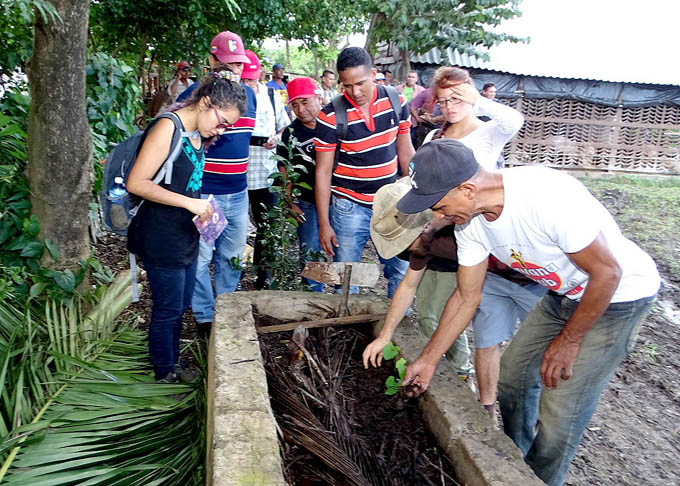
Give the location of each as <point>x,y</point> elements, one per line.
<point>386,437</point>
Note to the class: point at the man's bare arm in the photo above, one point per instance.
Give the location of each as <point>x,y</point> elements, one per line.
<point>604,274</point>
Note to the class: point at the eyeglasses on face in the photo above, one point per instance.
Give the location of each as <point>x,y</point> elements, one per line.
<point>222,124</point>
<point>186,69</point>
<point>443,103</point>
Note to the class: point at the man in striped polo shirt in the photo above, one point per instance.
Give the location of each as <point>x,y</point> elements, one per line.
<point>224,176</point>
<point>377,142</point>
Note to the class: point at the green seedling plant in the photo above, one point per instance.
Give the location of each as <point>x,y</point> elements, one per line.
<point>392,384</point>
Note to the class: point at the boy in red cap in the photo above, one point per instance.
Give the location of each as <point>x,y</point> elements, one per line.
<point>224,176</point>
<point>305,102</point>
<point>270,119</point>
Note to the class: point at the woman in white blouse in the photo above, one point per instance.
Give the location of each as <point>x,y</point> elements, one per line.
<point>461,104</point>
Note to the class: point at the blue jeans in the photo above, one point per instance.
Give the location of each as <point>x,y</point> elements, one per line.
<point>171,290</point>
<point>228,246</point>
<point>547,424</point>
<point>351,223</point>
<point>308,233</point>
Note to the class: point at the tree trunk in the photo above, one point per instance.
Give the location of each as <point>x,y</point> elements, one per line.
<point>59,165</point>
<point>405,62</point>
<point>369,45</point>
<point>288,68</point>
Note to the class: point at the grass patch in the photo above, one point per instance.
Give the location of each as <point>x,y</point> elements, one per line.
<point>648,212</point>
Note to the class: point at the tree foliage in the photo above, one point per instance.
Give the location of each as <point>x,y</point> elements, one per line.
<point>16,25</point>
<point>417,27</point>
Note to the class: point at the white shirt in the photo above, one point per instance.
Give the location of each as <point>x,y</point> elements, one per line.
<point>547,214</point>
<point>487,140</point>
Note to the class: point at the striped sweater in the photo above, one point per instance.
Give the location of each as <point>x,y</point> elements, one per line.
<point>368,154</point>
<point>226,161</point>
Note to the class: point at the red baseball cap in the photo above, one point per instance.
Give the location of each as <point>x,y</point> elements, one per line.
<point>252,70</point>
<point>300,88</point>
<point>182,65</point>
<point>228,47</point>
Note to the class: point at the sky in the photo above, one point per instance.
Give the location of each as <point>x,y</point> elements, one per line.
<point>611,40</point>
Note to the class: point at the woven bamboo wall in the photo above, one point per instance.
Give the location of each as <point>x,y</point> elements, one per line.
<point>576,135</point>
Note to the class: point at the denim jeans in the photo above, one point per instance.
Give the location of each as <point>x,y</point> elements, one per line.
<point>171,290</point>
<point>351,223</point>
<point>308,233</point>
<point>547,424</point>
<point>433,292</point>
<point>229,245</point>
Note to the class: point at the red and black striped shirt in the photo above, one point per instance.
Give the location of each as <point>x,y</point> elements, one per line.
<point>368,153</point>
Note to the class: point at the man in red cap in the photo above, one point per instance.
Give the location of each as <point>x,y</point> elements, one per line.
<point>181,81</point>
<point>270,119</point>
<point>224,176</point>
<point>305,102</point>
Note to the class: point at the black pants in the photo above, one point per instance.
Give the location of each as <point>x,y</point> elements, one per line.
<point>257,198</point>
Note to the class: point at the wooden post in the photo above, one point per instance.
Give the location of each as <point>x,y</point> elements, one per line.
<point>346,278</point>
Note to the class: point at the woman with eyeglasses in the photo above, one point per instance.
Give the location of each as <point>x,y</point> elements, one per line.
<point>461,104</point>
<point>162,233</point>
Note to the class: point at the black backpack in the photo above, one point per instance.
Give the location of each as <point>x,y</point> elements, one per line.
<point>340,107</point>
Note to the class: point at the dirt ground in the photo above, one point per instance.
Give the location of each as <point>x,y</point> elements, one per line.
<point>634,436</point>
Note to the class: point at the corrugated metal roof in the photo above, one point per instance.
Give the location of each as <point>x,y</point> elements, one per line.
<point>451,57</point>
<point>528,67</point>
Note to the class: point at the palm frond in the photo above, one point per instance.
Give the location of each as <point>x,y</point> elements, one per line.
<point>78,404</point>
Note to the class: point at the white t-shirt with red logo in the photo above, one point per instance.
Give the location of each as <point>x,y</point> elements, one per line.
<point>546,215</point>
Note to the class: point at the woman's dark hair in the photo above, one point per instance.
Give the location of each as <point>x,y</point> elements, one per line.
<point>351,57</point>
<point>222,92</point>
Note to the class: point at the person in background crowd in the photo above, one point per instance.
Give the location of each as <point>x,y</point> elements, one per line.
<point>270,119</point>
<point>162,232</point>
<point>224,176</point>
<point>489,91</point>
<point>328,90</point>
<point>306,104</point>
<point>503,301</point>
<point>376,142</point>
<point>380,79</point>
<point>278,82</point>
<point>410,88</point>
<point>180,82</point>
<point>425,116</point>
<point>544,224</point>
<point>389,78</point>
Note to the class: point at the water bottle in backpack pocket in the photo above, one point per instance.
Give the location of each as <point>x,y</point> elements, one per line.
<point>119,206</point>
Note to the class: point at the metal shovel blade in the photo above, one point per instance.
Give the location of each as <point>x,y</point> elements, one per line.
<point>363,274</point>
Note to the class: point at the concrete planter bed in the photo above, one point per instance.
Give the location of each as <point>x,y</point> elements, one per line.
<point>243,447</point>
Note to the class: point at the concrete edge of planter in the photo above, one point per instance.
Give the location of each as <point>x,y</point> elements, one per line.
<point>242,441</point>
<point>481,453</point>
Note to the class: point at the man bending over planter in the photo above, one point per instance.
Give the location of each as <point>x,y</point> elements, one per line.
<point>546,225</point>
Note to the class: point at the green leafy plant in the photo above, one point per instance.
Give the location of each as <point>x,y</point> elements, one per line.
<point>281,255</point>
<point>23,255</point>
<point>113,102</point>
<point>392,384</point>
